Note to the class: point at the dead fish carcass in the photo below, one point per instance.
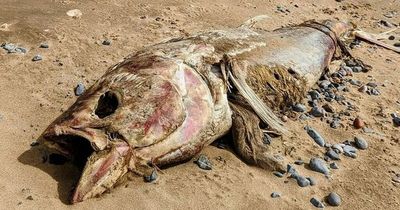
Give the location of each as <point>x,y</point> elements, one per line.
<point>163,104</point>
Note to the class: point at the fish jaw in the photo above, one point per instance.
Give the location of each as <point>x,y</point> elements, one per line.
<point>102,171</point>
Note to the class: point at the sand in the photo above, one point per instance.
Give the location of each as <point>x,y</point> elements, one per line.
<point>35,93</point>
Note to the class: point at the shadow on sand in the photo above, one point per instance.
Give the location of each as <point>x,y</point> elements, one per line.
<point>66,175</point>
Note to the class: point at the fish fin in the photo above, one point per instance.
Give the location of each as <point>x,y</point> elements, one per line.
<point>262,110</point>
<point>248,140</point>
<point>254,20</point>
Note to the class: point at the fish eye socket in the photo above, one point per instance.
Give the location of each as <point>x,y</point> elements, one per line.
<point>107,104</point>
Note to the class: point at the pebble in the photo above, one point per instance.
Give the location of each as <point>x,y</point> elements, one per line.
<point>9,47</point>
<point>361,143</point>
<point>37,58</point>
<point>332,154</point>
<point>318,165</point>
<point>355,82</point>
<point>106,42</point>
<point>290,169</point>
<point>315,135</point>
<point>337,148</point>
<point>75,13</point>
<point>324,84</point>
<point>275,194</point>
<point>333,165</point>
<point>357,69</point>
<point>21,50</point>
<point>79,89</point>
<point>329,108</point>
<point>299,107</point>
<point>335,123</point>
<point>372,84</point>
<point>278,174</point>
<point>317,112</point>
<point>391,37</point>
<point>350,151</point>
<point>203,162</point>
<point>396,119</point>
<point>44,45</point>
<point>302,181</point>
<point>317,203</point>
<point>304,117</point>
<point>299,162</point>
<point>152,177</point>
<point>267,139</point>
<point>358,123</point>
<point>312,181</point>
<point>334,199</point>
<point>284,118</point>
<point>314,95</point>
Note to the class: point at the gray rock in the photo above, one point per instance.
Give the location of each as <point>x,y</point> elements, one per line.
<point>152,177</point>
<point>290,169</point>
<point>314,95</point>
<point>334,199</point>
<point>44,45</point>
<point>317,112</point>
<point>299,162</point>
<point>302,181</point>
<point>361,143</point>
<point>275,194</point>
<point>335,123</point>
<point>299,107</point>
<point>37,58</point>
<point>203,162</point>
<point>324,84</point>
<point>357,69</point>
<point>350,151</point>
<point>21,50</point>
<point>267,139</point>
<point>278,174</point>
<point>303,117</point>
<point>334,165</point>
<point>332,154</point>
<point>315,136</point>
<point>337,148</point>
<point>106,42</point>
<point>396,121</point>
<point>372,84</point>
<point>318,165</point>
<point>317,203</point>
<point>79,89</point>
<point>312,181</point>
<point>9,47</point>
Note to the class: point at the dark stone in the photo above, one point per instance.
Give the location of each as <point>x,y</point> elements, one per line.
<point>361,143</point>
<point>203,162</point>
<point>152,177</point>
<point>275,194</point>
<point>299,108</point>
<point>318,165</point>
<point>332,154</point>
<point>333,165</point>
<point>334,199</point>
<point>315,136</point>
<point>317,112</point>
<point>317,203</point>
<point>302,181</point>
<point>299,162</point>
<point>37,58</point>
<point>44,45</point>
<point>312,181</point>
<point>278,174</point>
<point>106,42</point>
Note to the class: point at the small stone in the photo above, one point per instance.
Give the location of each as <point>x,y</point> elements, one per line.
<point>21,50</point>
<point>317,112</point>
<point>106,42</point>
<point>335,123</point>
<point>358,123</point>
<point>37,58</point>
<point>284,118</point>
<point>74,13</point>
<point>396,119</point>
<point>314,95</point>
<point>203,162</point>
<point>372,84</point>
<point>29,198</point>
<point>299,162</point>
<point>391,37</point>
<point>329,108</point>
<point>275,194</point>
<point>334,199</point>
<point>363,89</point>
<point>312,181</point>
<point>357,69</point>
<point>332,154</point>
<point>317,203</point>
<point>324,84</point>
<point>337,148</point>
<point>303,117</point>
<point>79,89</point>
<point>299,107</point>
<point>318,165</point>
<point>334,165</point>
<point>278,174</point>
<point>349,151</point>
<point>361,143</point>
<point>9,47</point>
<point>290,169</point>
<point>152,177</point>
<point>302,181</point>
<point>355,82</point>
<point>44,45</point>
<point>315,136</point>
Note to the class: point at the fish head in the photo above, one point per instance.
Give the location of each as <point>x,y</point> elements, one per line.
<point>120,112</point>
